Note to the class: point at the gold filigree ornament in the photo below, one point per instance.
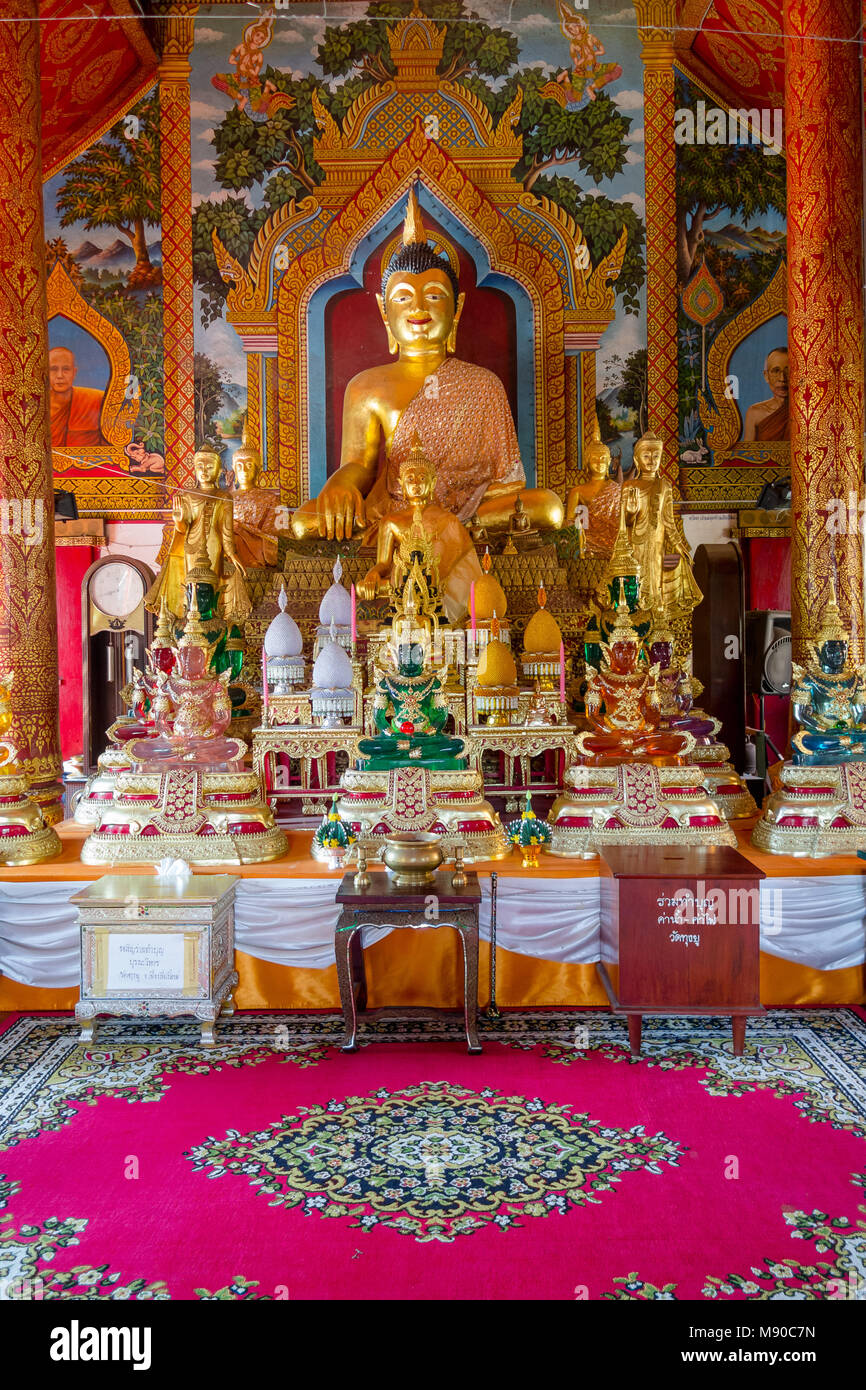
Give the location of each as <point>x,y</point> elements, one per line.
<point>24,836</point>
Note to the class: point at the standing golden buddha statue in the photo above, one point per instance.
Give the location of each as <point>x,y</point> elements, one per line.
<point>202,546</point>
<point>255,509</point>
<point>459,411</point>
<point>655,533</point>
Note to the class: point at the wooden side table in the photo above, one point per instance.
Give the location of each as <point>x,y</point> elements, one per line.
<point>155,948</point>
<point>683,925</point>
<point>383,905</point>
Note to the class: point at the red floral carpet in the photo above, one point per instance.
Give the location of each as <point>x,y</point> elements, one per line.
<point>552,1166</point>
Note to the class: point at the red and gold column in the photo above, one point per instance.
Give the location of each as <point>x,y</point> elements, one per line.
<point>177,282</point>
<point>656,21</point>
<point>823,147</point>
<point>28,601</point>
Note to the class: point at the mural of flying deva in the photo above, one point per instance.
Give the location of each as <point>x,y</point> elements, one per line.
<point>525,134</point>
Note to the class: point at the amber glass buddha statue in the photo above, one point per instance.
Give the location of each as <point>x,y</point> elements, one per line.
<point>459,411</point>
<point>255,509</point>
<point>623,705</point>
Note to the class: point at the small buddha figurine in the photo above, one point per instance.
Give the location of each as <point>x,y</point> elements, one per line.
<point>203,542</point>
<point>594,505</point>
<point>828,699</point>
<point>622,705</point>
<point>255,509</point>
<point>409,708</point>
<point>519,524</point>
<point>446,538</point>
<point>654,532</point>
<point>460,411</point>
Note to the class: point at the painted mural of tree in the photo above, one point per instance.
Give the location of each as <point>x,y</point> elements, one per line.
<point>116,183</point>
<point>738,178</point>
<point>276,153</point>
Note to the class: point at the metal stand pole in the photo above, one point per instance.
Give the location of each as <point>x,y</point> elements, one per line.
<point>491,1010</point>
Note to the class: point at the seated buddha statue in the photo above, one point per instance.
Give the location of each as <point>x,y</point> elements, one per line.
<point>202,544</point>
<point>255,509</point>
<point>655,534</point>
<point>622,705</point>
<point>409,708</point>
<point>677,689</point>
<point>594,504</point>
<point>828,699</point>
<point>459,410</point>
<point>446,538</point>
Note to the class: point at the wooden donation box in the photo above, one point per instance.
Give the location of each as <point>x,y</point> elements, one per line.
<point>683,926</point>
<point>157,948</point>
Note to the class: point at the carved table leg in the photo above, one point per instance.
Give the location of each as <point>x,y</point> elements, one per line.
<point>738,1028</point>
<point>343,953</point>
<point>359,973</point>
<point>208,1036</point>
<point>469,937</point>
<point>228,1006</point>
<point>88,1030</point>
<point>635,1022</point>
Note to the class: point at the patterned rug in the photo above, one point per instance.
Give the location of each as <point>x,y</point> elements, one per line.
<point>553,1166</point>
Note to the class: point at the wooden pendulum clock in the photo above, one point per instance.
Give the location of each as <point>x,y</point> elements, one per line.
<point>116,631</point>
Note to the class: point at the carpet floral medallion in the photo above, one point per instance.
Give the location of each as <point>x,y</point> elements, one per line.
<point>553,1165</point>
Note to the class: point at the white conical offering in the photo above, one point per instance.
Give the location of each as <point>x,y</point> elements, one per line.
<point>336,606</point>
<point>283,637</point>
<point>332,669</point>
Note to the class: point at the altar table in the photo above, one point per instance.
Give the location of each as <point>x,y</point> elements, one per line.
<point>813,934</point>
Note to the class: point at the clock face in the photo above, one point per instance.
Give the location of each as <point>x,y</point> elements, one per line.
<point>117,589</point>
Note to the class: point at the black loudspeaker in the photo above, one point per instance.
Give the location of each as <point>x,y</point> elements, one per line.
<point>65,505</point>
<point>768,652</point>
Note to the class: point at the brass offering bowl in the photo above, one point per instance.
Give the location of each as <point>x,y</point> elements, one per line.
<point>413,858</point>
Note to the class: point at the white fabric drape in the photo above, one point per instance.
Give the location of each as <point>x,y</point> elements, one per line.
<point>816,922</point>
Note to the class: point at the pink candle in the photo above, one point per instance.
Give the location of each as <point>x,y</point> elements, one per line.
<point>562,672</point>
<point>354,619</point>
<point>264,686</point>
<point>472,603</point>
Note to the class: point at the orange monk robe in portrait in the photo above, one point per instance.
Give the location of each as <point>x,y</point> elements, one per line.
<point>75,419</point>
<point>773,426</point>
<point>464,422</point>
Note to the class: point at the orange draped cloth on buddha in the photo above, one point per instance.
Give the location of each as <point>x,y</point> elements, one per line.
<point>464,422</point>
<point>75,418</point>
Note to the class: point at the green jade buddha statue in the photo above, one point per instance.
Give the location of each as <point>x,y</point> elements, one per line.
<point>828,699</point>
<point>409,708</point>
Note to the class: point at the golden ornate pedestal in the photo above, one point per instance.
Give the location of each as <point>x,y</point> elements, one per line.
<point>635,804</point>
<point>815,812</point>
<point>450,804</point>
<point>722,782</point>
<point>24,836</point>
<point>202,817</point>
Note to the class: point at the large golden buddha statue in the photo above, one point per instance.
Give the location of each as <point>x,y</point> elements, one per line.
<point>459,411</point>
<point>203,544</point>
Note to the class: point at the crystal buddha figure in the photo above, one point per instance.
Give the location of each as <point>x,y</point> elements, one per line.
<point>255,509</point>
<point>448,541</point>
<point>409,708</point>
<point>459,410</point>
<point>595,503</point>
<point>828,699</point>
<point>622,705</point>
<point>202,544</point>
<point>654,533</point>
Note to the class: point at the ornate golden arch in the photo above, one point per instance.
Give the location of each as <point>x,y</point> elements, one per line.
<point>724,419</point>
<point>418,157</point>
